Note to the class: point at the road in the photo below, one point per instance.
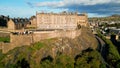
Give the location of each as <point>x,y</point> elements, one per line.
<point>101,44</point>
<point>102,49</point>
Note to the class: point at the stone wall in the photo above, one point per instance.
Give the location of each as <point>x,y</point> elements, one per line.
<point>11,25</point>
<point>32,24</point>
<point>23,40</point>
<point>1,43</point>
<point>4,34</point>
<point>56,21</point>
<point>52,34</point>
<point>16,41</point>
<point>82,20</point>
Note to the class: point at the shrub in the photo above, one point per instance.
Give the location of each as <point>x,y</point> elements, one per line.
<point>88,59</point>
<point>38,45</point>
<point>4,39</point>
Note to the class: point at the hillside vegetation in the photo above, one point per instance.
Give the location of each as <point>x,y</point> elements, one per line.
<point>112,56</point>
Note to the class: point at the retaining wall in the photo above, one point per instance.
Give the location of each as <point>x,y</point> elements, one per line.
<point>22,40</point>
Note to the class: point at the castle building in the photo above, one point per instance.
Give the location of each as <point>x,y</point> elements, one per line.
<point>32,24</point>
<point>62,25</point>
<point>11,25</point>
<point>16,24</point>
<point>50,21</point>
<point>66,21</point>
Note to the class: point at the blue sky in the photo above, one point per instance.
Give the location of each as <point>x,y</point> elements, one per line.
<point>27,8</point>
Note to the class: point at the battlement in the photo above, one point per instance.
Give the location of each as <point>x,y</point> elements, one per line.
<point>62,13</point>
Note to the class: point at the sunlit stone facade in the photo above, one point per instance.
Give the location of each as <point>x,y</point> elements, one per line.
<point>60,21</point>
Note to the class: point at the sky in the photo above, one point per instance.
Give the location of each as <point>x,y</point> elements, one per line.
<point>27,8</point>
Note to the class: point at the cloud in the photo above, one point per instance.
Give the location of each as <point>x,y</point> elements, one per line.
<point>99,7</point>
<point>64,3</point>
<point>50,4</point>
<point>30,4</point>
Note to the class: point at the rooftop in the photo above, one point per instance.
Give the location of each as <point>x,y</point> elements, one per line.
<point>63,13</point>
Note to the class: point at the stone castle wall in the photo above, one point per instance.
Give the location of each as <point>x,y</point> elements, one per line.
<point>52,34</point>
<point>4,34</point>
<point>82,20</point>
<point>11,25</point>
<point>23,40</point>
<point>16,41</point>
<point>56,21</point>
<point>60,21</point>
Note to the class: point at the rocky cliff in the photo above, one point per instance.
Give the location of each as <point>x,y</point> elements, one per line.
<point>51,47</point>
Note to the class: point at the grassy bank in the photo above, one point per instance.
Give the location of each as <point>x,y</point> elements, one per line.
<point>4,39</point>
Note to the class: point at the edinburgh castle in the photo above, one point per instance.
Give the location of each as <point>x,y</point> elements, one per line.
<point>43,26</point>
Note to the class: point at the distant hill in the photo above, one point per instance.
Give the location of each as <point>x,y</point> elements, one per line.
<point>115,15</point>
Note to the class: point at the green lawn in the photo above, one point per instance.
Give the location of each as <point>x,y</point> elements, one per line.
<point>4,39</point>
